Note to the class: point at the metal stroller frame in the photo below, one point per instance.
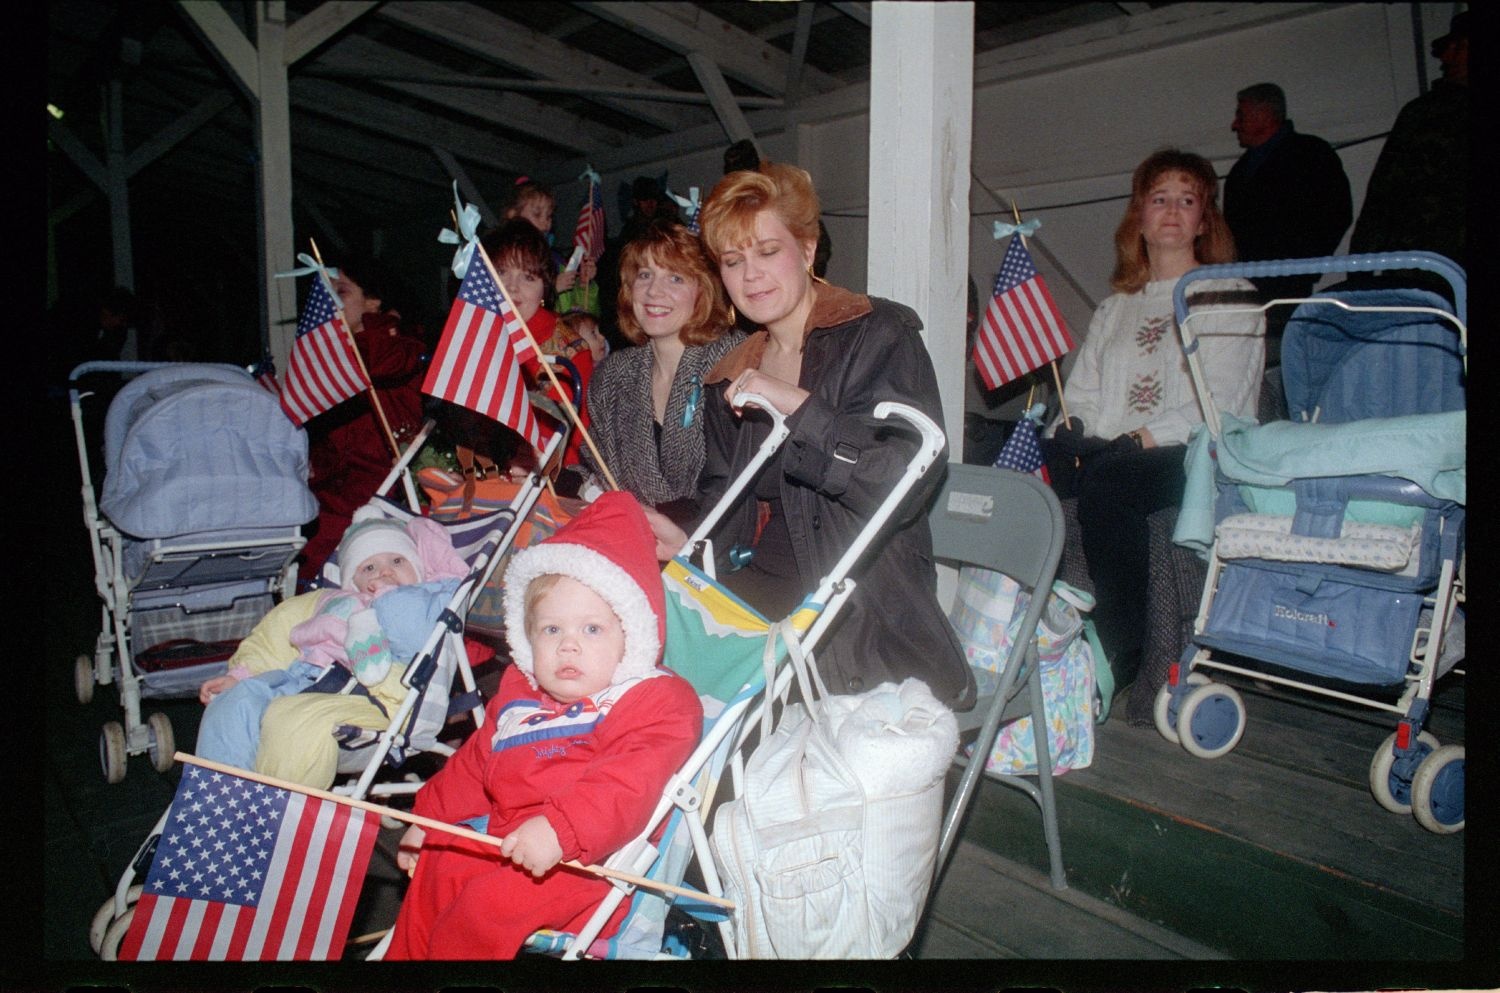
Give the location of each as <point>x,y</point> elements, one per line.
<point>423,712</point>
<point>688,796</point>
<point>1410,771</point>
<point>196,577</point>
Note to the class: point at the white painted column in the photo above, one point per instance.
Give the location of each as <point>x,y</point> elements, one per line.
<point>118,190</point>
<point>921,118</point>
<point>274,145</point>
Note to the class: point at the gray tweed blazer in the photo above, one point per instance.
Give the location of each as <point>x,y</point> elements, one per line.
<point>621,422</point>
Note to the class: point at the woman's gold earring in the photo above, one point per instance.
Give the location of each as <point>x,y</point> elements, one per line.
<point>733,317</point>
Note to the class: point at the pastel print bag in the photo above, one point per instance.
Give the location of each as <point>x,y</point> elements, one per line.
<point>1076,681</point>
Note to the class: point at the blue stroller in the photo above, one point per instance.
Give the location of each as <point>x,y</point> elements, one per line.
<point>1336,538</point>
<point>193,534</point>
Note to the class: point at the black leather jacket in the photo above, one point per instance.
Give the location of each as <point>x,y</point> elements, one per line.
<point>838,464</point>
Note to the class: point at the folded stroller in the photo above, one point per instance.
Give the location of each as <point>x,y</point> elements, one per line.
<point>193,534</point>
<point>718,643</point>
<point>1336,538</point>
<point>427,706</point>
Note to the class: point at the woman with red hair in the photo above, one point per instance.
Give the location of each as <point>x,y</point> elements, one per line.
<point>1129,396</point>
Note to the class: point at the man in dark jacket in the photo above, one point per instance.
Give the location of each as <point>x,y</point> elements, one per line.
<point>1287,197</point>
<point>1418,197</point>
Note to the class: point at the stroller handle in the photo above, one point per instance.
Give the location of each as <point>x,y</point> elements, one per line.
<point>1370,262</point>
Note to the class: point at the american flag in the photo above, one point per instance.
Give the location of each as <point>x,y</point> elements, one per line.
<point>1023,451</point>
<point>1022,329</point>
<point>323,371</point>
<point>247,872</point>
<point>478,359</point>
<point>589,234</point>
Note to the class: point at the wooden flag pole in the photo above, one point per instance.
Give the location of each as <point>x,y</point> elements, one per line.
<point>374,397</point>
<point>436,825</point>
<point>1062,403</point>
<point>562,394</point>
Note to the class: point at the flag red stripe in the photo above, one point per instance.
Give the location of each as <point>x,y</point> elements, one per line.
<point>324,884</point>
<point>208,931</point>
<point>289,863</point>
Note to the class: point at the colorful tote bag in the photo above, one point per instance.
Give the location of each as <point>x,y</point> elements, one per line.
<point>1076,685</point>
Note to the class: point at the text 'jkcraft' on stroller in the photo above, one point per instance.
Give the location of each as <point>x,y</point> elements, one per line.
<point>193,533</point>
<point>1336,538</point>
<point>426,707</point>
<point>719,644</point>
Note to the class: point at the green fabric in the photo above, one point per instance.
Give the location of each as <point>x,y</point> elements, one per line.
<point>1428,449</point>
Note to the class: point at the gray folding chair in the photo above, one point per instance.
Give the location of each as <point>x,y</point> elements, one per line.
<point>1009,522</point>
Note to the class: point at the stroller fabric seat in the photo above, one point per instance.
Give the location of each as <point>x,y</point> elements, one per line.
<point>1267,536</point>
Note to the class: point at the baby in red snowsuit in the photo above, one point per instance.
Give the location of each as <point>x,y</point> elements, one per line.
<point>576,746</point>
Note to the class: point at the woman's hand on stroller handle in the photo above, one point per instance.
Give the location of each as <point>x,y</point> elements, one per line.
<point>669,537</point>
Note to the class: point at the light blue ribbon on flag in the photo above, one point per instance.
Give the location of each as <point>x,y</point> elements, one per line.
<point>592,176</point>
<point>309,266</point>
<point>1034,413</point>
<point>466,237</point>
<point>690,207</point>
<point>1004,230</point>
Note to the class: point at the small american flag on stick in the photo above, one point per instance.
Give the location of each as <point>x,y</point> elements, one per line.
<point>323,370</point>
<point>589,234</point>
<point>1021,329</point>
<point>478,359</point>
<point>246,872</point>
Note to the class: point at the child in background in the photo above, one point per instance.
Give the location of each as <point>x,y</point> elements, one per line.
<point>526,268</point>
<point>586,326</point>
<point>576,746</point>
<point>400,578</point>
<point>348,451</point>
<point>533,202</point>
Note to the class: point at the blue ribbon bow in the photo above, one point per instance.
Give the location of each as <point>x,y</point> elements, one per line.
<point>1035,412</point>
<point>690,207</point>
<point>1004,230</point>
<point>592,176</point>
<point>466,237</point>
<point>309,266</point>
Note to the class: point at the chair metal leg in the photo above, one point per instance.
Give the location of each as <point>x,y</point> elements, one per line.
<point>1044,779</point>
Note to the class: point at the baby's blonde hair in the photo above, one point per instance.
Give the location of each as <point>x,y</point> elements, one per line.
<point>535,590</point>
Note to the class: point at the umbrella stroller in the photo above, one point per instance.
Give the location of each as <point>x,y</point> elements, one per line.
<point>193,534</point>
<point>1336,538</point>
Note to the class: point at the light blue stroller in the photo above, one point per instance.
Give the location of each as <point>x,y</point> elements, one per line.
<point>1336,538</point>
<point>193,534</point>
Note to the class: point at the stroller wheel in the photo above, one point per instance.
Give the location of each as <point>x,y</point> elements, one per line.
<point>1211,720</point>
<point>112,751</point>
<point>109,948</point>
<point>105,916</point>
<point>1165,708</point>
<point>83,678</point>
<point>1437,791</point>
<point>162,746</point>
<point>1391,776</point>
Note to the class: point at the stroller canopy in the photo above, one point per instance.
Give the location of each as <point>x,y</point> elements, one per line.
<point>1353,365</point>
<point>194,448</point>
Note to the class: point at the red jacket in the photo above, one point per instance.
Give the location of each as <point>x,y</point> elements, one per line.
<point>595,772</point>
<point>553,338</point>
<point>349,451</point>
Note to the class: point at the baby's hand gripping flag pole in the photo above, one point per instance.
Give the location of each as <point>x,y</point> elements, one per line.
<point>444,826</point>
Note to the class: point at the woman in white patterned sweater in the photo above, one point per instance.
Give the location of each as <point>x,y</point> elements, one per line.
<point>645,403</point>
<point>1130,398</point>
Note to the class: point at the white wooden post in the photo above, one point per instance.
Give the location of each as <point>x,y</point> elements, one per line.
<point>119,205</point>
<point>921,117</point>
<point>274,145</point>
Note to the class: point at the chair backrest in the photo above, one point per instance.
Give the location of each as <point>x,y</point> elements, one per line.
<point>998,519</point>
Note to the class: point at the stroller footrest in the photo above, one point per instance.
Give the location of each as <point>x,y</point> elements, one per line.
<point>1382,547</point>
